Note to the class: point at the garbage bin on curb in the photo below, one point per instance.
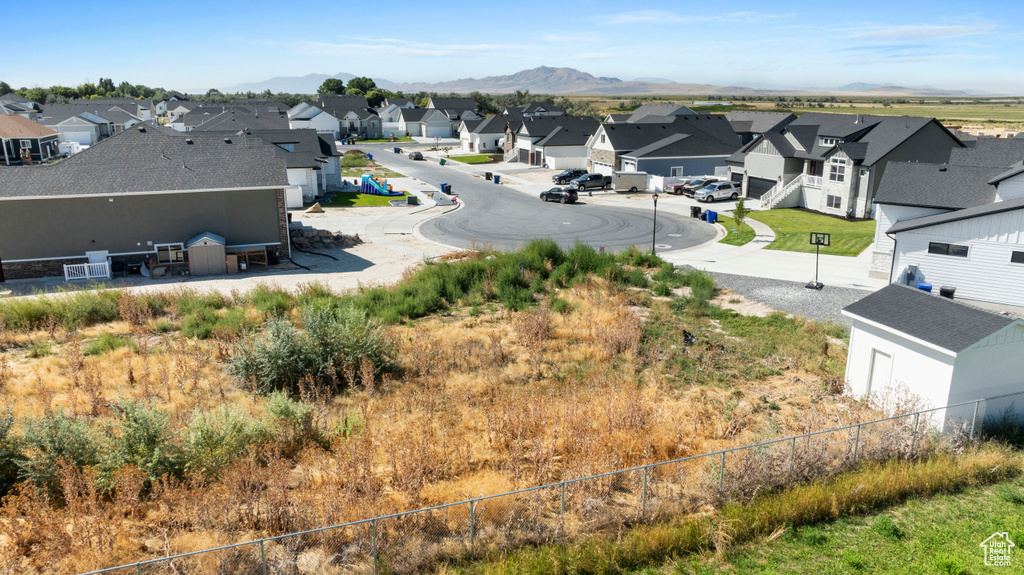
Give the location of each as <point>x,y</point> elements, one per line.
<point>695,212</point>
<point>497,179</point>
<point>711,217</point>
<point>488,175</point>
<point>444,187</point>
<point>370,156</point>
<point>396,150</point>
<point>441,161</point>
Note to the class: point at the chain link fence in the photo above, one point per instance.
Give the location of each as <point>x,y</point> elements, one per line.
<point>408,542</point>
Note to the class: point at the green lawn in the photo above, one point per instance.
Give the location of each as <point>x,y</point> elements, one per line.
<point>357,200</point>
<point>792,231</point>
<point>940,534</point>
<point>382,140</point>
<point>477,159</point>
<point>738,237</point>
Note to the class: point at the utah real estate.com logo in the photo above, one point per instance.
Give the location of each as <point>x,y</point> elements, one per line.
<point>997,549</point>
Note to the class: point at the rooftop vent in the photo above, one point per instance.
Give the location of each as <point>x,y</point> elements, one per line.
<point>142,129</point>
<point>227,140</point>
<point>188,140</point>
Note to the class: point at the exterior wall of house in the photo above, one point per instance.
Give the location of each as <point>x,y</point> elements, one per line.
<point>817,198</point>
<point>44,229</point>
<point>331,172</point>
<point>986,274</point>
<point>323,123</point>
<point>925,371</point>
<point>885,216</point>
<point>989,369</point>
<point>663,166</point>
<point>437,126</point>
<point>304,178</point>
<point>565,157</point>
<point>1010,188</point>
<point>78,130</point>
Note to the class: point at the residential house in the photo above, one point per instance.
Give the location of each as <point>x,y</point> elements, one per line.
<point>12,104</point>
<point>534,109</point>
<point>399,102</point>
<point>235,119</point>
<point>423,122</point>
<point>912,190</point>
<point>833,163</point>
<point>139,197</point>
<point>648,141</point>
<point>163,106</point>
<point>456,110</point>
<point>487,135</point>
<point>312,160</point>
<point>142,109</point>
<point>352,113</point>
<point>750,125</point>
<point>559,142</point>
<point>25,141</point>
<point>306,115</point>
<point>943,351</point>
<point>176,109</point>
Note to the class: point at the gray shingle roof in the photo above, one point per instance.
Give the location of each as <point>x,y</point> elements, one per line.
<point>239,119</point>
<point>308,148</point>
<point>939,321</point>
<point>931,186</point>
<point>627,137</point>
<point>958,215</point>
<point>989,152</point>
<point>1013,171</point>
<point>758,122</point>
<point>151,159</point>
<point>570,131</point>
<point>682,145</point>
<point>452,103</point>
<point>659,110</point>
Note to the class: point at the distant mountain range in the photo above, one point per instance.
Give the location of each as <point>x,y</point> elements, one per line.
<point>547,80</point>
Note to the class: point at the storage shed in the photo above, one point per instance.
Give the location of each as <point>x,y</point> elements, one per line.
<point>942,350</point>
<point>206,255</point>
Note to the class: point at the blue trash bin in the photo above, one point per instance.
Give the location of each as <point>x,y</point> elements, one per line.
<point>396,150</point>
<point>710,216</point>
<point>444,188</point>
<point>370,156</point>
<point>924,286</point>
<point>497,179</point>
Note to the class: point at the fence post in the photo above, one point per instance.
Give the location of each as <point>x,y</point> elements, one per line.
<point>263,558</point>
<point>561,507</point>
<point>643,496</point>
<point>373,538</point>
<point>138,568</point>
<point>472,527</point>
<point>913,436</point>
<point>856,445</point>
<point>792,458</point>
<point>974,420</point>
<point>721,474</point>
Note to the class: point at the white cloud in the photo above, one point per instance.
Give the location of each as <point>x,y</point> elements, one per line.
<point>909,32</point>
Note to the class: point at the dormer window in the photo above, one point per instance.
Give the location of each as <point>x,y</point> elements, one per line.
<point>830,141</point>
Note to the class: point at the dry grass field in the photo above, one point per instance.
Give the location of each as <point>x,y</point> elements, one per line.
<point>179,453</point>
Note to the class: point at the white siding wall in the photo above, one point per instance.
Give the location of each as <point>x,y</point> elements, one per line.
<point>991,368</point>
<point>885,217</point>
<point>925,371</point>
<point>1010,188</point>
<point>986,274</point>
<point>305,178</point>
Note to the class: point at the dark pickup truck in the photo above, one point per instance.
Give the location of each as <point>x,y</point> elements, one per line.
<point>591,181</point>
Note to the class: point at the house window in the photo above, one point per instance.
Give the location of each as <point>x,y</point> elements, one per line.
<point>1017,258</point>
<point>947,249</point>
<point>834,201</point>
<point>830,141</point>
<point>837,170</point>
<point>170,253</point>
<point>602,138</point>
<point>26,144</point>
<point>677,172</point>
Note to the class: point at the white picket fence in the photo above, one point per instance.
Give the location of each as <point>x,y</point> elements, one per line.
<point>86,271</point>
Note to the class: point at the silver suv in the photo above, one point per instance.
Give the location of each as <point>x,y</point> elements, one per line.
<point>718,191</point>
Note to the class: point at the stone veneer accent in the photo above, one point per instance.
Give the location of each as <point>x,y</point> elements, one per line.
<point>605,157</point>
<point>283,251</point>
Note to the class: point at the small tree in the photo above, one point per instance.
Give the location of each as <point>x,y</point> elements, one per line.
<point>331,86</point>
<point>739,213</point>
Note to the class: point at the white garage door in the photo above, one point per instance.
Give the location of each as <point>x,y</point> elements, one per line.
<point>438,131</point>
<point>603,169</point>
<point>80,137</point>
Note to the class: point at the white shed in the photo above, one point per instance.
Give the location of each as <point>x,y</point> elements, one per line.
<point>942,350</point>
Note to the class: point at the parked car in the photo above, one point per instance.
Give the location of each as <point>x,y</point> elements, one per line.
<point>718,191</point>
<point>590,181</point>
<point>677,187</point>
<point>566,175</point>
<point>415,156</point>
<point>691,188</point>
<point>560,195</point>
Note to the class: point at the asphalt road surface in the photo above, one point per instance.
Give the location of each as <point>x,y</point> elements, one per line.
<point>508,219</point>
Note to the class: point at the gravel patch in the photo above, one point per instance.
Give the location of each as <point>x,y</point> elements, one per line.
<point>793,298</point>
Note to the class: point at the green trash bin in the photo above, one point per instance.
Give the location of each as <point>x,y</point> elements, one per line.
<point>441,161</point>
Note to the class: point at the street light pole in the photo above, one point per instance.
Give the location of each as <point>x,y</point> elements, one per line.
<point>654,231</point>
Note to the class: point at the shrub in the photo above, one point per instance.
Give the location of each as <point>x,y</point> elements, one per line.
<point>354,160</point>
<point>663,289</point>
<point>53,437</point>
<point>139,435</point>
<point>334,341</point>
<point>105,343</point>
<point>213,440</point>
<point>272,301</point>
<point>10,451</point>
<point>292,421</point>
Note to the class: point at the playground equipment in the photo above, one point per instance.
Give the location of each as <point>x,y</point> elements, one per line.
<point>377,186</point>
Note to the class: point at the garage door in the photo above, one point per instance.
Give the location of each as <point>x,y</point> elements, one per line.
<point>756,187</point>
<point>80,137</point>
<point>737,177</point>
<point>438,131</point>
<point>603,169</point>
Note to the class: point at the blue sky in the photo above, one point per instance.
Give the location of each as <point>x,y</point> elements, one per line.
<point>194,46</point>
